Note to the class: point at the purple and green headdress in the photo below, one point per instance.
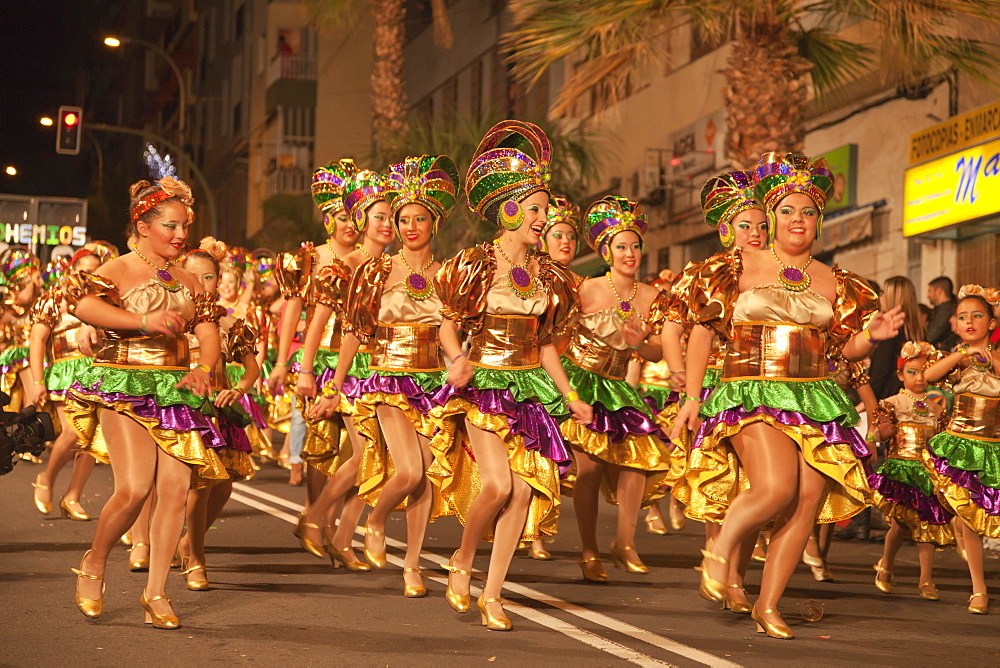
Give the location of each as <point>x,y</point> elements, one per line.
<point>561,210</point>
<point>265,267</point>
<point>502,174</point>
<point>328,189</point>
<point>428,180</point>
<point>55,270</point>
<point>16,265</point>
<point>723,198</point>
<point>361,191</point>
<point>607,217</point>
<point>777,176</point>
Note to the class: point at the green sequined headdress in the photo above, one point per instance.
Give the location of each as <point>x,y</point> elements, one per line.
<point>428,180</point>
<point>501,171</point>
<point>360,192</point>
<point>723,198</point>
<point>607,217</point>
<point>328,189</point>
<point>778,176</point>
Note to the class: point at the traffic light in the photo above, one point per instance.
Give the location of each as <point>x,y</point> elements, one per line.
<point>70,127</point>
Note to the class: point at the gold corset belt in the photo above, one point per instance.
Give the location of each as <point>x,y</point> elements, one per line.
<point>911,439</point>
<point>333,335</point>
<point>64,345</point>
<point>506,342</point>
<point>976,416</point>
<point>775,351</point>
<point>160,351</point>
<point>401,347</point>
<point>592,354</point>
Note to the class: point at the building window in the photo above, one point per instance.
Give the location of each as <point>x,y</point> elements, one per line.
<point>240,20</point>
<point>237,118</point>
<point>662,259</point>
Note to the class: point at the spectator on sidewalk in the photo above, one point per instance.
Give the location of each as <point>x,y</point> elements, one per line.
<point>941,295</point>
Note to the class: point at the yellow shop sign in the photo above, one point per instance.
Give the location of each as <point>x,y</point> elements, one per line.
<point>957,188</point>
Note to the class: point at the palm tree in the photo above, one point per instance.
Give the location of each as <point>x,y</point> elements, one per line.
<point>578,152</point>
<point>777,42</point>
<point>388,88</point>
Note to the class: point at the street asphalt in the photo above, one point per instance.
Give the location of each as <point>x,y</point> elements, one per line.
<point>272,603</point>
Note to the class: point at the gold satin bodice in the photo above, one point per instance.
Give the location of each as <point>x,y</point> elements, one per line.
<point>398,307</point>
<point>598,344</point>
<point>655,373</point>
<point>500,299</point>
<point>509,336</point>
<point>151,296</point>
<point>913,431</point>
<point>974,381</point>
<point>773,303</point>
<point>976,412</point>
<point>63,339</point>
<point>406,337</point>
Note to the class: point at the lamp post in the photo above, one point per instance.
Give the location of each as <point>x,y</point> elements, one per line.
<point>115,42</point>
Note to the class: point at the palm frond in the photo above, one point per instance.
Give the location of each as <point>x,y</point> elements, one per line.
<point>835,61</point>
<point>332,14</point>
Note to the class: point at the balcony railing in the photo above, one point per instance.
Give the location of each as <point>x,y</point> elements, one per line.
<point>288,66</point>
<point>289,181</point>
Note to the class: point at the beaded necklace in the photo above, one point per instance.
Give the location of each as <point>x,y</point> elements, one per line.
<point>417,285</point>
<point>521,281</point>
<point>165,278</point>
<point>793,278</point>
<point>919,405</point>
<point>624,309</point>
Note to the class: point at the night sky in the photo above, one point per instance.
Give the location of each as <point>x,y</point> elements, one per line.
<point>46,47</point>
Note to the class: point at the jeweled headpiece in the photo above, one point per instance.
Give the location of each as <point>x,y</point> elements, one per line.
<point>328,189</point>
<point>428,180</point>
<point>912,350</point>
<point>238,261</point>
<point>360,192</point>
<point>561,210</point>
<point>607,217</point>
<point>501,172</point>
<point>55,270</point>
<point>265,266</point>
<point>17,264</point>
<point>777,176</point>
<point>723,198</point>
<point>167,187</point>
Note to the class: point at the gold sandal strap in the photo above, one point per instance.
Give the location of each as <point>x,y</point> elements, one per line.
<point>456,570</point>
<point>415,569</point>
<point>192,569</point>
<point>88,576</point>
<point>154,598</point>
<point>487,601</point>
<point>714,557</point>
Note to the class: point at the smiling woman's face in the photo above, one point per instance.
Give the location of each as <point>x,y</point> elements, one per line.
<point>796,217</point>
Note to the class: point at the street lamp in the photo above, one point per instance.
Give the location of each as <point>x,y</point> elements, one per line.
<point>46,121</point>
<point>115,42</point>
<point>11,170</point>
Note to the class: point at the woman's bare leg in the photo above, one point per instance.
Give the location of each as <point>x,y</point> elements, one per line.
<point>586,492</point>
<point>974,551</point>
<point>173,479</point>
<point>631,487</point>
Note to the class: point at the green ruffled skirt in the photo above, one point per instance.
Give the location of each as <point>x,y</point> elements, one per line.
<point>60,375</point>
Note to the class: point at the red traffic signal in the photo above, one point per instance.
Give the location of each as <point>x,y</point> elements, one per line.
<point>68,132</point>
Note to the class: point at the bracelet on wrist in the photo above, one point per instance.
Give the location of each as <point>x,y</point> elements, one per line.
<point>456,357</point>
<point>142,325</point>
<point>308,372</point>
<point>572,395</point>
<point>277,364</point>
<point>868,335</point>
<point>204,367</point>
<point>39,382</point>
<point>687,397</point>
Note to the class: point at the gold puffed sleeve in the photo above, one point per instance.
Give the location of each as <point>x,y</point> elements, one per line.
<point>46,309</point>
<point>857,375</point>
<point>462,283</point>
<point>331,286</point>
<point>293,271</point>
<point>714,290</point>
<point>84,284</point>
<point>855,307</point>
<point>206,309</point>
<point>658,311</point>
<point>679,293</point>
<point>364,297</point>
<point>563,308</point>
<point>242,340</point>
<point>885,409</point>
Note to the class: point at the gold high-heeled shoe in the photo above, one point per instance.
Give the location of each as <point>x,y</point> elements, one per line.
<point>818,567</point>
<point>413,591</point>
<point>376,560</point>
<point>44,507</point>
<point>339,558</point>
<point>592,570</point>
<point>677,518</point>
<point>138,565</point>
<point>71,513</point>
<point>308,544</point>
<point>739,607</point>
<point>651,526</point>
<point>536,550</point>
<point>883,586</point>
<point>493,623</point>
<point>126,539</point>
<point>621,559</point>
<point>928,591</point>
<point>773,630</point>
<point>195,585</point>
<point>983,609</point>
<point>460,602</point>
<point>710,588</point>
<point>91,607</point>
<point>150,616</point>
<point>177,561</point>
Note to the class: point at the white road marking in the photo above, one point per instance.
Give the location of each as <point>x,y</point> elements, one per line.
<point>537,616</point>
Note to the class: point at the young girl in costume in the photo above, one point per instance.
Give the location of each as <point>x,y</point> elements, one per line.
<point>392,304</point>
<point>902,489</point>
<point>622,447</point>
<point>498,414</point>
<point>964,459</point>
